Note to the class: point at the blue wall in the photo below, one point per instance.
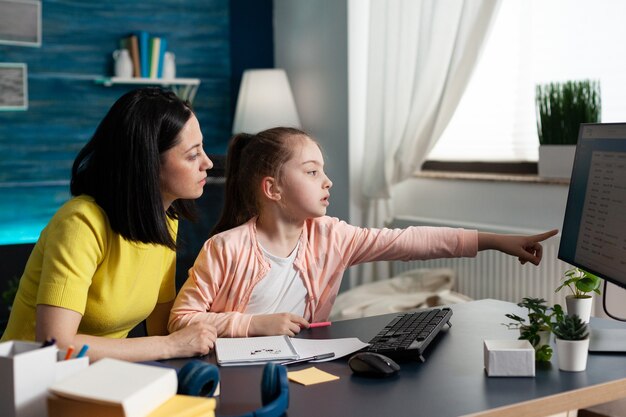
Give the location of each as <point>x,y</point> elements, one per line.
<point>37,146</point>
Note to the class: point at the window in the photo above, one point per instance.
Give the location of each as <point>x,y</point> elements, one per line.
<point>535,42</point>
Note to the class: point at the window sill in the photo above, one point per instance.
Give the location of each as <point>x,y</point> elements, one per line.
<point>493,177</point>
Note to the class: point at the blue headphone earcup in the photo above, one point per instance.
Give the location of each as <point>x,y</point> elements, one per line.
<point>269,383</point>
<point>274,391</point>
<point>198,378</point>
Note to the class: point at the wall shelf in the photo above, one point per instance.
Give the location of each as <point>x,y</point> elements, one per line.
<point>185,88</point>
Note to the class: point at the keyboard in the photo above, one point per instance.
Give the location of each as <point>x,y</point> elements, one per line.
<point>408,335</point>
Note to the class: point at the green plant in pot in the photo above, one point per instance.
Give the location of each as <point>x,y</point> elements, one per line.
<point>572,342</point>
<point>581,285</point>
<point>537,327</point>
<point>561,108</point>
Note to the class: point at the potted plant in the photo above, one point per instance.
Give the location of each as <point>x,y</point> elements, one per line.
<point>536,329</point>
<point>572,343</point>
<point>561,108</point>
<point>581,284</point>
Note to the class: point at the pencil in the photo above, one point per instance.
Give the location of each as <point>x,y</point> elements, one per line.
<point>319,324</point>
<point>82,351</point>
<point>70,350</point>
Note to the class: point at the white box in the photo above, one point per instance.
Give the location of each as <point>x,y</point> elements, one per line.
<point>26,371</point>
<point>65,368</point>
<point>509,358</point>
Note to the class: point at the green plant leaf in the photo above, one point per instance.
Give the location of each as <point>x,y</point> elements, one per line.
<point>588,283</point>
<point>580,282</point>
<point>570,328</point>
<point>543,354</point>
<point>561,107</point>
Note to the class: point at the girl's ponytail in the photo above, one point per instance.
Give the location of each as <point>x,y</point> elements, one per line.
<point>235,210</point>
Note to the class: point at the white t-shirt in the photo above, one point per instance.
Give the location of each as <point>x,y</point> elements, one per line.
<point>282,289</point>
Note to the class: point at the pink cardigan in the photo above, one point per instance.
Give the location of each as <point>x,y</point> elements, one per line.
<point>231,263</point>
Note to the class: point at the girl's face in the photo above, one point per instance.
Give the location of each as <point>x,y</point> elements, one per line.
<point>304,187</point>
<point>183,167</point>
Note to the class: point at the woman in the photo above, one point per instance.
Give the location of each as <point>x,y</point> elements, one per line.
<point>106,260</point>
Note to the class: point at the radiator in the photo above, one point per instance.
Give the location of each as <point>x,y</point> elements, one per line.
<point>493,274</point>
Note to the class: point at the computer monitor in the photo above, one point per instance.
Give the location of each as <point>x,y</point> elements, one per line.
<point>593,237</point>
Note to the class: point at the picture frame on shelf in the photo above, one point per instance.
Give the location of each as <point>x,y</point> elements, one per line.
<point>20,22</point>
<point>13,86</point>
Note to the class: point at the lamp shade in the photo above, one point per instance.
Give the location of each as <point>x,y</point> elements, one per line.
<point>265,101</point>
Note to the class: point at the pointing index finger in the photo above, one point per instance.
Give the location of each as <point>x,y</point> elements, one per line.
<point>543,236</point>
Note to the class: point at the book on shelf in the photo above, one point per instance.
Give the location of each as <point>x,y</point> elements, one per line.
<point>155,50</point>
<point>114,388</point>
<point>176,406</point>
<point>133,43</point>
<point>144,51</point>
<point>162,51</point>
<point>147,54</point>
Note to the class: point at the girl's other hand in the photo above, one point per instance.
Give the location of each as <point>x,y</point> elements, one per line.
<point>276,324</point>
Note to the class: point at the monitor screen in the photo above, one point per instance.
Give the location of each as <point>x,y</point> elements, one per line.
<point>594,228</point>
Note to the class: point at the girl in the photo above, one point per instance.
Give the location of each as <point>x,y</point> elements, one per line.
<point>275,261</point>
<point>106,260</point>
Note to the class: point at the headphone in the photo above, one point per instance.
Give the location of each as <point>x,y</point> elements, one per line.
<point>200,379</point>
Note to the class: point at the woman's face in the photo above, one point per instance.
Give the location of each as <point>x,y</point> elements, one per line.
<point>183,167</point>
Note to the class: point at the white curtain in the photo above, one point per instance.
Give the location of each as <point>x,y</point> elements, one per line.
<point>421,54</point>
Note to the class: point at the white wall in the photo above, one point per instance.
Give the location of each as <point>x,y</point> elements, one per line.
<point>311,43</point>
<point>506,205</point>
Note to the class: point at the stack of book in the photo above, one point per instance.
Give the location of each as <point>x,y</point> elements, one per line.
<point>147,53</point>
<point>114,388</point>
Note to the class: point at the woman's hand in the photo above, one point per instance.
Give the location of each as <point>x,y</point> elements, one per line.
<point>275,324</point>
<point>526,248</point>
<point>194,340</point>
<point>62,324</point>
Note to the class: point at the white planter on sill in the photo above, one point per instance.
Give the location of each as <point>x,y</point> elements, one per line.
<point>579,306</point>
<point>556,161</point>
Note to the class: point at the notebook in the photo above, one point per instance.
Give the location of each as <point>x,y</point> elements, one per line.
<point>255,350</point>
<point>248,350</point>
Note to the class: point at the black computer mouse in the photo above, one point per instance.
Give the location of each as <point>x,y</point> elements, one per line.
<point>373,365</point>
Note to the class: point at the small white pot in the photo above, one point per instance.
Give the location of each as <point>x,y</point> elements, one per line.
<point>556,161</point>
<point>580,306</point>
<point>572,354</point>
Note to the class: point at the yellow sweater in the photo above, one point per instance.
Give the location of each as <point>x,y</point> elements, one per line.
<point>79,263</point>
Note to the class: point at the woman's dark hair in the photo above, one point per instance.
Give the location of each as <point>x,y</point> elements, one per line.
<point>251,158</point>
<point>119,167</point>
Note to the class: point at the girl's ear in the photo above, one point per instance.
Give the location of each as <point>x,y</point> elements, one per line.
<point>270,188</point>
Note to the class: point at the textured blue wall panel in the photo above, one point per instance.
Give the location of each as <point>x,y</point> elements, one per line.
<point>37,146</point>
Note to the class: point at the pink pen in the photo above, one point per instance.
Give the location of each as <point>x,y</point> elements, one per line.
<point>319,324</point>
